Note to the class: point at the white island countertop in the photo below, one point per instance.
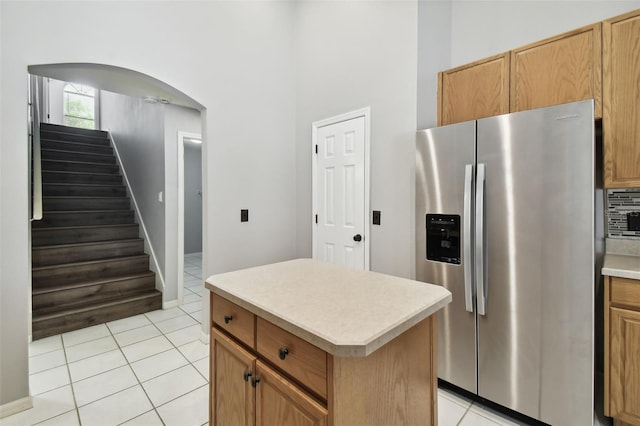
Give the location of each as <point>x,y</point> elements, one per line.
<point>344,311</point>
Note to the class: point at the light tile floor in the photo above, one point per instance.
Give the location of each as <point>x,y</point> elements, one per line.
<point>147,370</point>
<point>455,410</point>
<point>152,369</point>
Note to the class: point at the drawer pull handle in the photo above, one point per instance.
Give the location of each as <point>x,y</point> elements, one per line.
<point>283,352</point>
<point>227,319</point>
<point>247,374</point>
<point>255,381</point>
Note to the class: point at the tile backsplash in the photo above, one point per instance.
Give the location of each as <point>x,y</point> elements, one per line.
<point>619,203</point>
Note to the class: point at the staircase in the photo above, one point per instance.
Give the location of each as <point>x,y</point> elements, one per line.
<point>88,263</point>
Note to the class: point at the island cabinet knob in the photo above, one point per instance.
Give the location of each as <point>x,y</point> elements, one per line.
<point>247,374</point>
<point>255,381</point>
<point>227,319</point>
<point>283,352</point>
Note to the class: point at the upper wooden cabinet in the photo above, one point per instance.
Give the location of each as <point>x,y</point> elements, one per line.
<point>473,91</point>
<point>621,96</point>
<point>561,69</point>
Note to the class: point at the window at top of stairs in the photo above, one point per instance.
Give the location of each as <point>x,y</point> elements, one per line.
<point>79,106</point>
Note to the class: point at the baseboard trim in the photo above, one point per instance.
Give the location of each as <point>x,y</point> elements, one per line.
<point>170,304</point>
<point>14,407</point>
<point>204,337</point>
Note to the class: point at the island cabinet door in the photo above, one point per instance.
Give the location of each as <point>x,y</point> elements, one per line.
<point>280,402</point>
<point>231,378</point>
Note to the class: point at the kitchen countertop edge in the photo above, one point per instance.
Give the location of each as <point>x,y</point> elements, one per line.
<point>621,266</point>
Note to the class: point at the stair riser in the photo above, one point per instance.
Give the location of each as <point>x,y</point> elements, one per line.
<point>74,204</point>
<point>56,276</point>
<point>65,177</point>
<point>70,137</point>
<point>52,236</point>
<point>64,323</point>
<point>53,190</point>
<point>94,293</point>
<point>59,255</point>
<point>62,166</point>
<point>52,219</point>
<point>78,156</point>
<point>73,130</point>
<point>77,147</point>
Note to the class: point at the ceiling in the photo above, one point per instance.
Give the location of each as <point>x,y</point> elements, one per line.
<point>117,80</point>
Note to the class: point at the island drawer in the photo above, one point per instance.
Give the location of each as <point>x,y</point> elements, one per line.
<point>294,356</point>
<point>625,292</point>
<point>234,319</point>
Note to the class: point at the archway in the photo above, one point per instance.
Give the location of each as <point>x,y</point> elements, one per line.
<point>130,83</point>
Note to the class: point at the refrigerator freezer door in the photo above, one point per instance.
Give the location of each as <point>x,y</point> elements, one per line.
<point>442,157</point>
<point>535,342</point>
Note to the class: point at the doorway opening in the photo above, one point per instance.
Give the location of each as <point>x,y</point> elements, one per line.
<point>189,217</point>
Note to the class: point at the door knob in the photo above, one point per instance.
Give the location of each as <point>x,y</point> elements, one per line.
<point>357,238</point>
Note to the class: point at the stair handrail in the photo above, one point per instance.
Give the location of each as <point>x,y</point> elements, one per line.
<point>35,172</point>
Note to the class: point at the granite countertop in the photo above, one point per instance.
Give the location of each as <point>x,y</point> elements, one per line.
<point>344,311</point>
<point>623,266</point>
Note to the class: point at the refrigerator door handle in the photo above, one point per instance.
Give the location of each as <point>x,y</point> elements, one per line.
<point>480,273</point>
<point>468,290</point>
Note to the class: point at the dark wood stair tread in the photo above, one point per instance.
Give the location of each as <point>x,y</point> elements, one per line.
<point>68,172</point>
<point>88,262</point>
<point>45,290</point>
<point>75,185</point>
<point>106,303</point>
<point>87,244</point>
<point>75,162</point>
<point>72,228</point>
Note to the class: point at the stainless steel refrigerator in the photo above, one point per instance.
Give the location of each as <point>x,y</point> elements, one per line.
<point>505,221</point>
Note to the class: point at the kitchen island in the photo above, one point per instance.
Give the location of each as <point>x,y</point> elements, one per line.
<point>304,342</point>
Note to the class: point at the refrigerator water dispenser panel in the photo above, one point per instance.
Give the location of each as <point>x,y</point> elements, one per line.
<point>443,238</point>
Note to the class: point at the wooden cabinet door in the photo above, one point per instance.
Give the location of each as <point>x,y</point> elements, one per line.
<point>473,91</point>
<point>561,69</point>
<point>624,364</point>
<point>280,402</point>
<point>621,118</point>
<point>232,397</point>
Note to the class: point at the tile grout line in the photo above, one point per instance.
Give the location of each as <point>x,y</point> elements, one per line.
<point>73,392</point>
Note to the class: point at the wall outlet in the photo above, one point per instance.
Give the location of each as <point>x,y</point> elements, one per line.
<point>633,221</point>
<point>244,215</point>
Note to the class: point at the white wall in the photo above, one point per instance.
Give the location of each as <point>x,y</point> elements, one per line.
<point>137,128</point>
<point>486,28</point>
<point>235,58</point>
<point>434,55</point>
<point>176,119</point>
<point>352,55</point>
<point>192,199</point>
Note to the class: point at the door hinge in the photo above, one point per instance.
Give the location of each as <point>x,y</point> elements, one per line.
<point>316,148</point>
<point>316,218</point>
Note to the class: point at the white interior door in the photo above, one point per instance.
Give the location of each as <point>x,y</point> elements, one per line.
<point>340,193</point>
